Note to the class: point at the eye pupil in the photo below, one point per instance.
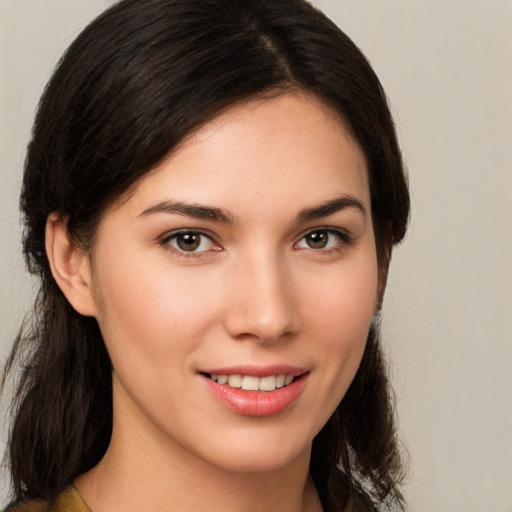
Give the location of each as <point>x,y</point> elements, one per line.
<point>317,240</point>
<point>188,241</point>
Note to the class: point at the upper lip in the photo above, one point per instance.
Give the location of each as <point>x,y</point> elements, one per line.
<point>257,371</point>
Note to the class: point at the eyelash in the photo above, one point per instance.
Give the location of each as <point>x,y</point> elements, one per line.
<point>166,242</point>
<point>345,240</point>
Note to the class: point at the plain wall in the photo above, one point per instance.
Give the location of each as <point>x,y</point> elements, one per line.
<point>447,68</point>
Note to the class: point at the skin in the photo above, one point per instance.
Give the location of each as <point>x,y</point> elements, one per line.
<point>256,291</point>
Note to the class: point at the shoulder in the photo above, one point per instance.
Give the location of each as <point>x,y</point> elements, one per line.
<point>67,501</point>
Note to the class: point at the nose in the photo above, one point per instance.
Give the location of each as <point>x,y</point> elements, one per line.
<point>262,301</point>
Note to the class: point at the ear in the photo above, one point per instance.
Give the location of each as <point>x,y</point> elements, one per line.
<point>381,288</point>
<point>70,266</point>
<point>383,270</point>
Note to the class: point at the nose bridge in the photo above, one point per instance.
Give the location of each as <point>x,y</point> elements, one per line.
<point>262,304</point>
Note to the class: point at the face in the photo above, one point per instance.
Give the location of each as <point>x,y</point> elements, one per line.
<point>247,259</point>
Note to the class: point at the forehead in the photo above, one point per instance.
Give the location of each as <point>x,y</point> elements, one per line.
<point>267,150</point>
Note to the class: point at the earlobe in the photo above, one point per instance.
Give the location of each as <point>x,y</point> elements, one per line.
<point>70,266</point>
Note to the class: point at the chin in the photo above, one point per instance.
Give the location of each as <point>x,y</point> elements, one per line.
<point>264,454</point>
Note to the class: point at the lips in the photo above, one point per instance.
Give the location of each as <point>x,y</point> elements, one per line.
<point>256,391</point>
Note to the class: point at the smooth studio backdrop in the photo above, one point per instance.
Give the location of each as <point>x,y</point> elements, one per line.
<point>447,68</point>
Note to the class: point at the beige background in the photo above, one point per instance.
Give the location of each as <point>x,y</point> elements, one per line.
<point>447,68</point>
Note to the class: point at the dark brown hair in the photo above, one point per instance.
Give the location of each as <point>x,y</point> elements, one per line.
<point>135,82</point>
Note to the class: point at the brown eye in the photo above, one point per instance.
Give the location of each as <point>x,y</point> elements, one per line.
<point>190,241</point>
<point>323,239</point>
<point>317,239</point>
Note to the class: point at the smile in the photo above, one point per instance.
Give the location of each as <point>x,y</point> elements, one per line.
<point>251,391</point>
<point>252,383</point>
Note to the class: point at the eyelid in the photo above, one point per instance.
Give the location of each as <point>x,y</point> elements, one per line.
<point>343,234</point>
<point>345,237</point>
<point>168,236</point>
<point>181,231</point>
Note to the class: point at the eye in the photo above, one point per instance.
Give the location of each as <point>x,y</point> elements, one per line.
<point>189,241</point>
<point>322,239</point>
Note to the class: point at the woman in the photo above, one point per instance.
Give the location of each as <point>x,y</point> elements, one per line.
<point>211,196</point>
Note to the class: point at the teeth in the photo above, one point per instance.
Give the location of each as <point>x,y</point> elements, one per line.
<point>268,383</point>
<point>235,381</point>
<point>251,383</point>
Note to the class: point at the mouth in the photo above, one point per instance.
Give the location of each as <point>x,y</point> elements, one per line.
<point>256,392</point>
<point>251,382</point>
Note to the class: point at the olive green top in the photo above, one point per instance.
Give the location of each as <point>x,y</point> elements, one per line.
<point>71,501</point>
<point>67,501</point>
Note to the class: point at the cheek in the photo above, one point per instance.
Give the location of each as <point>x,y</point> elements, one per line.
<point>147,310</point>
<point>342,300</point>
<point>338,315</point>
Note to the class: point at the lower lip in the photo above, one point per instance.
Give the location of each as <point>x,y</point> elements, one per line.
<point>257,403</point>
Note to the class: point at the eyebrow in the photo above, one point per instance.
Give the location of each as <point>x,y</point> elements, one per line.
<point>190,210</point>
<point>330,207</point>
<point>219,215</point>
